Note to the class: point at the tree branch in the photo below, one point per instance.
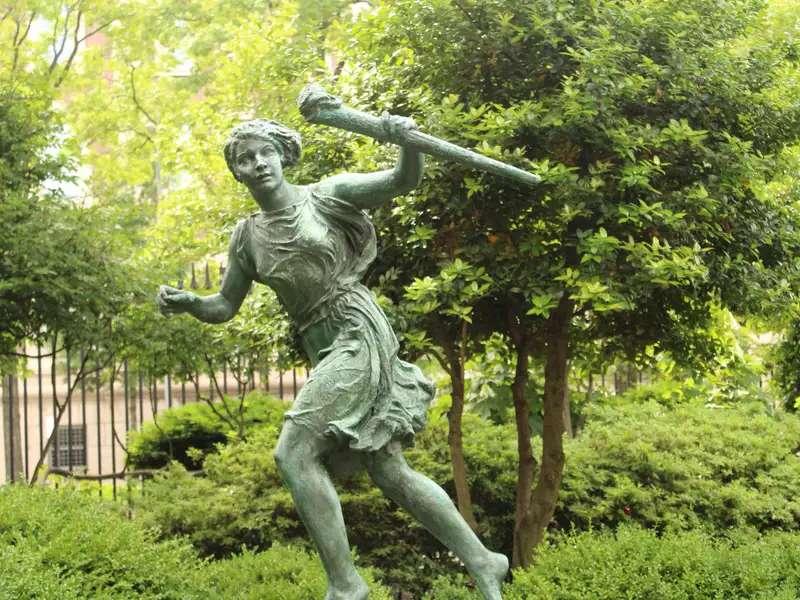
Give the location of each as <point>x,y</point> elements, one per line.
<point>57,52</point>
<point>119,441</point>
<point>39,355</point>
<point>19,40</point>
<point>75,45</point>
<point>62,407</point>
<point>135,99</point>
<point>14,44</point>
<point>231,420</point>
<point>96,30</point>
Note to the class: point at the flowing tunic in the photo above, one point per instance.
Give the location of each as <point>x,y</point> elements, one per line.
<point>313,254</point>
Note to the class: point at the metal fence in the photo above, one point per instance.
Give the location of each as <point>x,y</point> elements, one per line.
<point>92,415</point>
<point>89,441</point>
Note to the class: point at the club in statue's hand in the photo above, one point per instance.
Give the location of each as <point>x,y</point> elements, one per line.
<point>320,107</point>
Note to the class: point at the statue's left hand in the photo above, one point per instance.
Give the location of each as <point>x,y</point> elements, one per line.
<point>395,126</point>
<point>172,301</point>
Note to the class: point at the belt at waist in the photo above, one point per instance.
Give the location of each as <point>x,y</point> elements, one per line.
<point>322,308</point>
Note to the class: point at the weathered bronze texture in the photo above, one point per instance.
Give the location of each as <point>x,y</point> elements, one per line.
<point>312,244</point>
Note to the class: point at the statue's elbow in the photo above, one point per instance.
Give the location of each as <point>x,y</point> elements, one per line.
<point>408,183</point>
<point>220,312</point>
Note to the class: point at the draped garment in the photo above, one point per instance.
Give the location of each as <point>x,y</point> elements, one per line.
<point>313,254</point>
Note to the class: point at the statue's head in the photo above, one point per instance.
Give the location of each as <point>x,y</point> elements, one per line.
<point>286,141</point>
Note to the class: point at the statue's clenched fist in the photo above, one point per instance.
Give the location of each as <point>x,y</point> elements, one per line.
<point>172,301</point>
<point>395,126</point>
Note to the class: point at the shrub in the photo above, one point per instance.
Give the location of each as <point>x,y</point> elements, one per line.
<point>241,501</point>
<point>187,433</point>
<point>280,573</point>
<point>636,564</point>
<point>689,467</point>
<point>681,468</point>
<point>68,545</point>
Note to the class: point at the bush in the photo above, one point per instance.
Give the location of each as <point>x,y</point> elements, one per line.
<point>187,433</point>
<point>241,501</point>
<point>685,468</point>
<point>635,564</point>
<point>681,468</point>
<point>280,573</point>
<point>67,545</point>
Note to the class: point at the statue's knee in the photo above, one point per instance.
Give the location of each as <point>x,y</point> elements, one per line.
<point>296,452</point>
<point>284,458</point>
<point>281,459</point>
<point>388,475</point>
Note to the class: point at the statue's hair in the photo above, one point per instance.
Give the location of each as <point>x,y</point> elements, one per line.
<point>286,141</point>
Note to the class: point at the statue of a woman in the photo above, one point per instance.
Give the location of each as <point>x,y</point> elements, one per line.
<point>311,245</point>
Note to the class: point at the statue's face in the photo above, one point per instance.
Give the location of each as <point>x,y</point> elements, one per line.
<point>258,165</point>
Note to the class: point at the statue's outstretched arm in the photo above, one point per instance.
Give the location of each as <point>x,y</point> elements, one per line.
<point>216,308</point>
<point>368,190</point>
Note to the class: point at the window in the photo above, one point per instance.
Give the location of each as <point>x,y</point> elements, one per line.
<point>69,447</point>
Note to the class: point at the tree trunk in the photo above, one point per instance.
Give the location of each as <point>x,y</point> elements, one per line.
<point>60,408</point>
<point>11,430</point>
<point>567,411</point>
<point>526,463</point>
<point>455,438</point>
<point>531,528</point>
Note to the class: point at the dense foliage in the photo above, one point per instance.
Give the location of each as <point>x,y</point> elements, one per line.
<point>186,434</point>
<point>689,467</point>
<point>66,545</point>
<point>788,363</point>
<point>666,468</point>
<point>56,259</point>
<point>69,546</point>
<point>656,126</point>
<point>636,564</point>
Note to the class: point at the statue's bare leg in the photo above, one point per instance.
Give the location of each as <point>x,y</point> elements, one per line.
<point>299,455</point>
<point>433,508</point>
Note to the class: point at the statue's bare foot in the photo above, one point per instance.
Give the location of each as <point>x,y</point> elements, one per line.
<point>490,576</point>
<point>357,591</point>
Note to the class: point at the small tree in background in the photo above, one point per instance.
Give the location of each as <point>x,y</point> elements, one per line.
<point>655,126</point>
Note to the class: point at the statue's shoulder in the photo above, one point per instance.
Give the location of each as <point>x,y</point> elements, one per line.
<point>241,230</point>
<point>325,199</point>
<point>240,248</point>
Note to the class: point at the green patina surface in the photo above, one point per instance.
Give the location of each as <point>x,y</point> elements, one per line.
<point>361,403</point>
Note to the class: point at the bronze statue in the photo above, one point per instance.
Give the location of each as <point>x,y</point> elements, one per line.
<point>312,244</point>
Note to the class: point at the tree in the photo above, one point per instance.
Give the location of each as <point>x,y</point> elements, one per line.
<point>655,126</point>
<point>443,306</point>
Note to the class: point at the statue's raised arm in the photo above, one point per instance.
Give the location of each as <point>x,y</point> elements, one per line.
<point>368,190</point>
<point>318,106</point>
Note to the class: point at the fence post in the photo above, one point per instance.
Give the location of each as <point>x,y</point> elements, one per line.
<point>113,436</point>
<point>99,430</point>
<point>11,431</point>
<point>69,414</point>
